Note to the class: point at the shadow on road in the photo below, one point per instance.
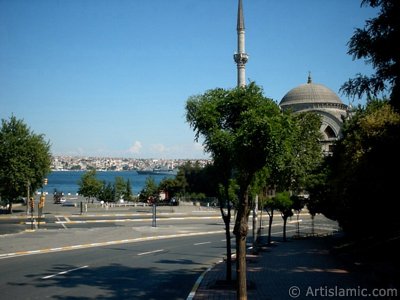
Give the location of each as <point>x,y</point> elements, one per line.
<point>115,281</point>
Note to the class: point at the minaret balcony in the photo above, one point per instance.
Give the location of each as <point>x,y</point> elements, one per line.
<point>241,58</point>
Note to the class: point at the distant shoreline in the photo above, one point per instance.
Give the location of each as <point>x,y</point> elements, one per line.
<point>62,163</point>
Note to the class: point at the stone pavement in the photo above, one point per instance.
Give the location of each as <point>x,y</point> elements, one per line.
<point>296,269</point>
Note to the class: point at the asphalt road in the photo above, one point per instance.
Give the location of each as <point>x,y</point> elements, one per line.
<point>161,269</point>
<point>152,269</point>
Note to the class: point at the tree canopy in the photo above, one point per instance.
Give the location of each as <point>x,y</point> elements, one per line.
<point>89,185</point>
<point>362,170</point>
<point>24,160</point>
<point>377,43</point>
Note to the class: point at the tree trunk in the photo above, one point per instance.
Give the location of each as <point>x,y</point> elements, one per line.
<point>312,224</point>
<point>284,228</point>
<point>298,223</point>
<point>227,221</point>
<point>241,229</point>
<point>10,207</point>
<point>271,218</point>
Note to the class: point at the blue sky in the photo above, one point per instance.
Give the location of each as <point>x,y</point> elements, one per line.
<point>111,77</point>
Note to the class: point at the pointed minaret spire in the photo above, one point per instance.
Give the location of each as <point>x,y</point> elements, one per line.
<point>240,20</point>
<point>241,56</point>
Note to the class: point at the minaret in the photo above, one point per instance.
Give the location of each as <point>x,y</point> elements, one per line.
<point>241,56</point>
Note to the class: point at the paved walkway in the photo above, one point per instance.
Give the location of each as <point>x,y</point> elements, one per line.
<point>297,269</point>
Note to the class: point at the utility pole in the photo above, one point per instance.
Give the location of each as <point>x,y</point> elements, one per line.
<point>255,210</point>
<point>28,197</point>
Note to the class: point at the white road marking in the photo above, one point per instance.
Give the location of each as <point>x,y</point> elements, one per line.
<point>56,249</point>
<point>294,221</point>
<point>59,221</point>
<point>150,252</point>
<point>64,272</point>
<point>68,221</point>
<point>203,243</point>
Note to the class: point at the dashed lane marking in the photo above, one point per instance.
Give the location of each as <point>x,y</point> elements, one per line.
<point>150,252</point>
<point>202,243</point>
<point>64,272</point>
<point>101,244</point>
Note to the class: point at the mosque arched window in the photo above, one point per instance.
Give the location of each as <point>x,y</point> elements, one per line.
<point>329,132</point>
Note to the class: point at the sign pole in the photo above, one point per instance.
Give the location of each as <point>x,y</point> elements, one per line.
<point>154,223</point>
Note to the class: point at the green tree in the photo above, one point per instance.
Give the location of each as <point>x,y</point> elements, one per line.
<point>24,160</point>
<point>284,204</point>
<point>196,179</point>
<point>269,204</point>
<point>181,182</point>
<point>128,191</point>
<point>299,157</point>
<point>361,171</point>
<point>170,186</point>
<point>248,128</point>
<point>89,185</point>
<point>318,191</point>
<point>150,190</point>
<point>119,187</point>
<point>107,192</point>
<point>377,44</point>
<point>298,205</point>
<point>301,153</point>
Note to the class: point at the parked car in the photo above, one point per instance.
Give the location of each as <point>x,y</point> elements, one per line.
<point>174,202</point>
<point>58,197</point>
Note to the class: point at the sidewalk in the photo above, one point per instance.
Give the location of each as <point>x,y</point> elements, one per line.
<point>296,269</point>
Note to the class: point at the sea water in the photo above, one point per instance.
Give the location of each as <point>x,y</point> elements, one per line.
<point>67,181</point>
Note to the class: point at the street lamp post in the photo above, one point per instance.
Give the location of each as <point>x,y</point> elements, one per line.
<point>255,235</point>
<point>31,205</point>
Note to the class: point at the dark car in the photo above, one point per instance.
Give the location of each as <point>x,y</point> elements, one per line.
<point>174,202</point>
<point>58,197</point>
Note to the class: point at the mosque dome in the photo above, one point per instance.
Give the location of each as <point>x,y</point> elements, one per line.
<point>323,101</point>
<point>310,93</point>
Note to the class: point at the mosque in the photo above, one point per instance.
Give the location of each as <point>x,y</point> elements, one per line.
<point>323,101</point>
<point>310,96</point>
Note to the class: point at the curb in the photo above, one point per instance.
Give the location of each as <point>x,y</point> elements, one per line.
<point>198,282</point>
<point>196,285</point>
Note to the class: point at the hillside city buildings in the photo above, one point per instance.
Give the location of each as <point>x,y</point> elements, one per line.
<point>74,163</point>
